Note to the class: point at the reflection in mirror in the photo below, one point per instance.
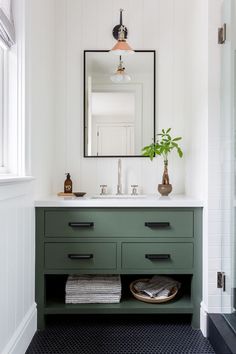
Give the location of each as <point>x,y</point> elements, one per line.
<point>119,103</point>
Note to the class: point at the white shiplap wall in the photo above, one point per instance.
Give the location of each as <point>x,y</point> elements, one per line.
<point>184,34</point>
<point>164,25</point>
<point>41,61</point>
<point>17,230</point>
<point>17,262</point>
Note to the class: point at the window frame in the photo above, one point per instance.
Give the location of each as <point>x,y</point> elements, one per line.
<point>17,134</point>
<point>4,169</point>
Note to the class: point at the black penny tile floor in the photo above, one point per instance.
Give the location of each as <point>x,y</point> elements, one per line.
<point>106,334</point>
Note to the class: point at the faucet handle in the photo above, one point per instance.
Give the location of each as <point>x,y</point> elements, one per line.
<point>134,189</point>
<point>103,189</point>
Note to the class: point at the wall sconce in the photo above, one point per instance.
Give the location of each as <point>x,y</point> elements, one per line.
<point>120,75</point>
<point>120,33</point>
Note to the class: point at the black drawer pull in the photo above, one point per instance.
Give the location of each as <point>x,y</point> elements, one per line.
<point>157,225</point>
<point>157,256</point>
<point>80,256</point>
<point>81,224</point>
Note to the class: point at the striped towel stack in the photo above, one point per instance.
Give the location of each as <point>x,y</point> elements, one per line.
<point>93,289</point>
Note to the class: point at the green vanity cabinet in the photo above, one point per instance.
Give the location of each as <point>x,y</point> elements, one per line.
<point>134,242</point>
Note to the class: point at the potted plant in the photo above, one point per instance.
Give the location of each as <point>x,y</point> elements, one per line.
<point>163,146</point>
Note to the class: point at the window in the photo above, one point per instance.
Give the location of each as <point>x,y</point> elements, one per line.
<point>10,93</point>
<point>3,109</point>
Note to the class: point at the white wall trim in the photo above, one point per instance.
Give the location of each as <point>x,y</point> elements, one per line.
<point>6,179</point>
<point>22,336</point>
<point>203,319</point>
<point>17,238</point>
<point>16,189</point>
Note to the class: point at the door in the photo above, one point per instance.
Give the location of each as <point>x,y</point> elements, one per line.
<point>115,140</point>
<point>228,100</point>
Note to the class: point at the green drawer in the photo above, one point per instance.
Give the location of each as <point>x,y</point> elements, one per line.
<point>80,255</point>
<point>157,256</point>
<point>115,222</point>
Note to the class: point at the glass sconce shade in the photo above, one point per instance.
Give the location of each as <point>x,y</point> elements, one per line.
<point>120,75</point>
<point>119,78</point>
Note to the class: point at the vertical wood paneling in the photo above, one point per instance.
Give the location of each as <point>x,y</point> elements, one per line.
<point>16,257</point>
<point>151,32</point>
<point>165,64</point>
<point>74,69</point>
<point>90,23</point>
<point>3,275</point>
<point>20,241</point>
<point>104,24</point>
<point>136,25</point>
<point>11,266</point>
<point>41,90</point>
<point>60,128</point>
<point>179,81</point>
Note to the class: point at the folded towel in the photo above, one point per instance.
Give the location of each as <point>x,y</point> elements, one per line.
<point>93,283</point>
<point>93,289</point>
<point>93,298</point>
<point>93,301</point>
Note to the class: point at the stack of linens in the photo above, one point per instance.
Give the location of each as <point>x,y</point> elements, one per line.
<point>93,289</point>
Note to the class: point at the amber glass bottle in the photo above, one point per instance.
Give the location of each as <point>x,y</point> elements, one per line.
<point>68,184</point>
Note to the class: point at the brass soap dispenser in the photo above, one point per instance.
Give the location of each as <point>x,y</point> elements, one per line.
<point>68,184</point>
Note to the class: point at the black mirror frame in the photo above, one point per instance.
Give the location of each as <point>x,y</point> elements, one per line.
<point>84,102</point>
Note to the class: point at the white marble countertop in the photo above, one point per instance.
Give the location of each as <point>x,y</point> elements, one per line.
<point>135,202</point>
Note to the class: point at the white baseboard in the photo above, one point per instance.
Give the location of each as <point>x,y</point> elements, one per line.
<point>22,336</point>
<point>203,319</point>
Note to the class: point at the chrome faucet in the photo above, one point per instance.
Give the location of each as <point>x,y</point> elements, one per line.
<point>119,186</point>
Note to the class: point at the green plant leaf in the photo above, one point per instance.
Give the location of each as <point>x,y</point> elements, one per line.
<point>180,152</point>
<point>177,139</point>
<point>163,146</point>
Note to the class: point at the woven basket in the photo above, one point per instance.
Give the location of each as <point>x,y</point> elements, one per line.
<point>154,300</point>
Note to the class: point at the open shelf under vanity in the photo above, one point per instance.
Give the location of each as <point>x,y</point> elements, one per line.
<point>55,299</point>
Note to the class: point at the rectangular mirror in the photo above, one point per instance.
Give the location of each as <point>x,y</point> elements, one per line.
<point>119,103</point>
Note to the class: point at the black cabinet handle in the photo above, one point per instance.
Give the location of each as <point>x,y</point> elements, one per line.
<point>157,225</point>
<point>81,224</point>
<point>80,256</point>
<point>157,256</point>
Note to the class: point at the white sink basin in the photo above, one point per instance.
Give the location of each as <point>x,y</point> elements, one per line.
<point>122,196</point>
